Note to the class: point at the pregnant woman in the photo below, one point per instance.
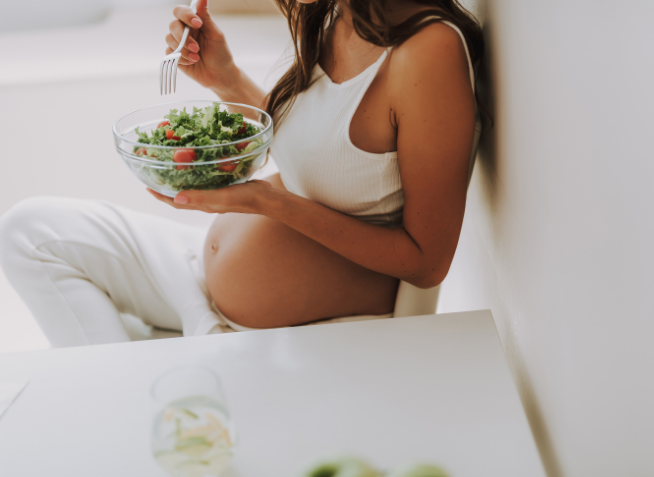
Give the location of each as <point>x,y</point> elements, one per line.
<point>375,126</point>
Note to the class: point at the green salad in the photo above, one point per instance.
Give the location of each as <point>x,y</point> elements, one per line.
<point>203,127</point>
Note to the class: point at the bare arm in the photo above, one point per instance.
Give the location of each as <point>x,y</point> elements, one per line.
<point>206,57</point>
<point>435,113</point>
<point>241,90</point>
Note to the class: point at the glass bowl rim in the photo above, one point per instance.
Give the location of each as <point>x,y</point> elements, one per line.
<point>187,367</point>
<point>152,146</point>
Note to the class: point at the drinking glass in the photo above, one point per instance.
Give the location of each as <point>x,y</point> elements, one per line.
<point>192,435</point>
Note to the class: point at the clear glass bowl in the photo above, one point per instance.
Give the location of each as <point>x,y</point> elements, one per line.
<point>169,178</point>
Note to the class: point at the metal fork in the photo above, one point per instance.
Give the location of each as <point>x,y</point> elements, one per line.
<point>168,66</point>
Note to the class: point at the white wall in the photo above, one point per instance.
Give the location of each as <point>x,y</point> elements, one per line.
<point>61,14</point>
<point>558,239</point>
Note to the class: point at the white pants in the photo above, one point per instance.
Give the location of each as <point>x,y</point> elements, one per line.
<point>79,265</point>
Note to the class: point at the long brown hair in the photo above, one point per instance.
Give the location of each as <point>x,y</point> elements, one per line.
<point>309,23</point>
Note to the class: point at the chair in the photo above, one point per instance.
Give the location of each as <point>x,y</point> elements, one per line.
<point>414,301</point>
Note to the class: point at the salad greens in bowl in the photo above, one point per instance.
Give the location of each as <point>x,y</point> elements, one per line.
<point>199,145</point>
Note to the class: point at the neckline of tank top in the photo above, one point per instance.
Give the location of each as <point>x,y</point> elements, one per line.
<point>365,72</point>
<point>319,73</point>
<point>361,76</point>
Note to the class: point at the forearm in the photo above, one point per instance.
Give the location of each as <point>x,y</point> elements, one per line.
<point>241,89</point>
<point>393,252</point>
<point>389,251</point>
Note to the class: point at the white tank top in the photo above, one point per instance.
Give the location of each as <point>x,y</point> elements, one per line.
<point>318,161</point>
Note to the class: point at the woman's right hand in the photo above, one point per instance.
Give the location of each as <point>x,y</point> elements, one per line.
<point>206,57</point>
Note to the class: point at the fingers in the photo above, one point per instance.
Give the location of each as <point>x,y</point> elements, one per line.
<point>176,29</point>
<point>187,17</point>
<point>235,198</point>
<point>174,202</point>
<point>211,200</point>
<point>209,28</point>
<point>188,57</point>
<point>161,197</point>
<point>182,61</point>
<point>203,11</point>
<point>190,198</point>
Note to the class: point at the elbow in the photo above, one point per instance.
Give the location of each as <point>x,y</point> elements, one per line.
<point>425,282</point>
<point>428,279</point>
<point>429,275</point>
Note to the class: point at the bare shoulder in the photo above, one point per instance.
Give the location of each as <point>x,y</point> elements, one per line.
<point>436,49</point>
<point>428,76</point>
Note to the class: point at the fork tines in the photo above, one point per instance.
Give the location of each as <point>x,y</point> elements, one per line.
<point>168,73</point>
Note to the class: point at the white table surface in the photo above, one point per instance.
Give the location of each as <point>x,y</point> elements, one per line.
<point>434,388</point>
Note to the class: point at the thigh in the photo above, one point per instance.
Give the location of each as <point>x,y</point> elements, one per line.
<point>167,254</point>
<point>140,261</point>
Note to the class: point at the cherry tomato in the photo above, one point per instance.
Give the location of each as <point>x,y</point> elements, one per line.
<point>141,151</point>
<point>242,145</point>
<point>162,124</point>
<point>243,129</point>
<point>184,156</point>
<point>170,134</point>
<point>228,167</point>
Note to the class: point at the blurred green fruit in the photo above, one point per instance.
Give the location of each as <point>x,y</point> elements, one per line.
<point>344,467</point>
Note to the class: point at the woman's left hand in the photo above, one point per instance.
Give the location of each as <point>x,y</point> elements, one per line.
<point>245,198</point>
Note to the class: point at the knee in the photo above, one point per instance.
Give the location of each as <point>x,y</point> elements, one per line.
<point>27,224</point>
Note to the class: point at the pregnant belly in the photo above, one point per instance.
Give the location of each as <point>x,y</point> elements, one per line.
<point>262,274</point>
